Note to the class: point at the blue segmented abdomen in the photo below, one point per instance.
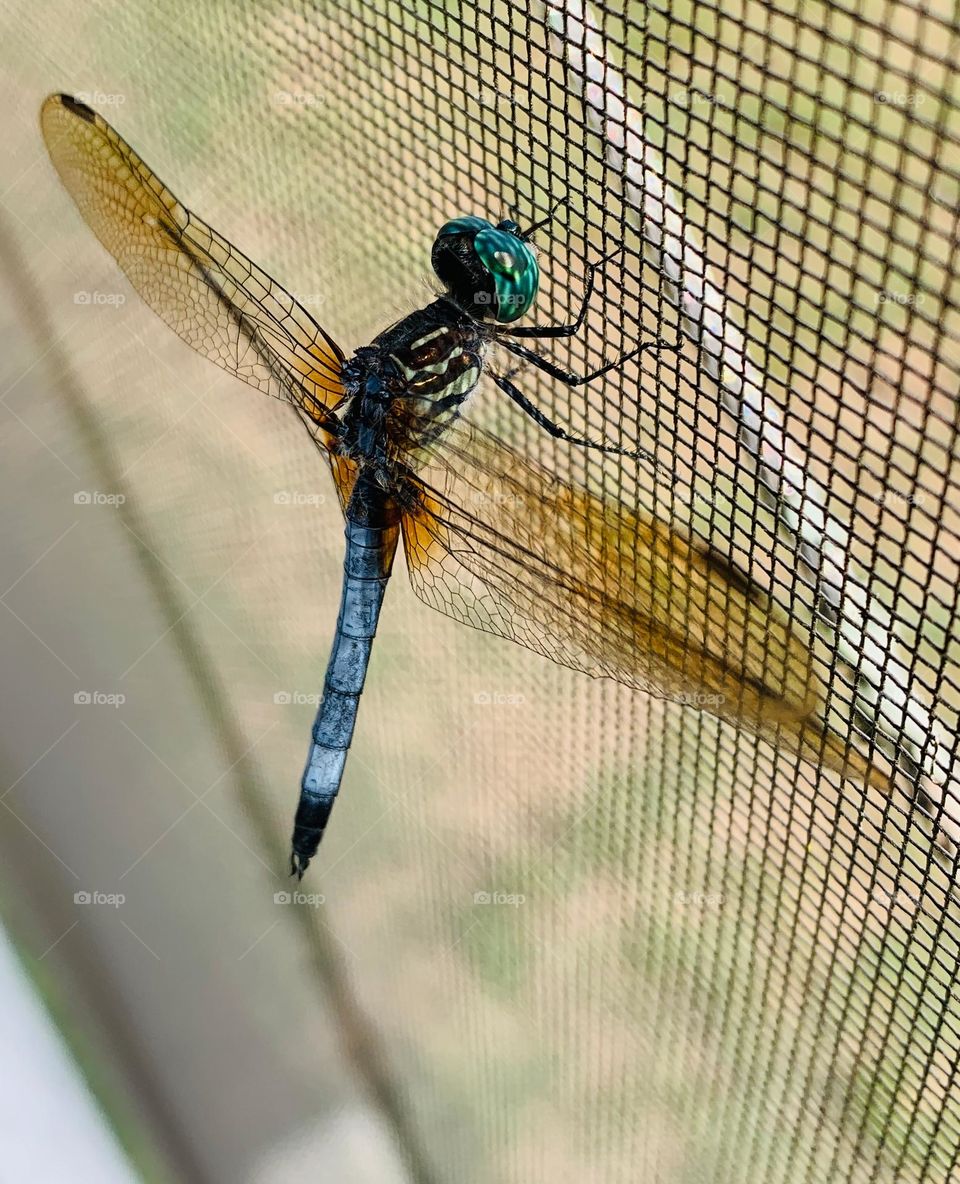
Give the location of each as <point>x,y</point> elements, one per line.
<point>371,546</point>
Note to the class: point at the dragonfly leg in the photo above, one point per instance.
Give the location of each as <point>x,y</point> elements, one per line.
<point>558,205</point>
<point>560,433</point>
<point>577,323</point>
<point>568,377</point>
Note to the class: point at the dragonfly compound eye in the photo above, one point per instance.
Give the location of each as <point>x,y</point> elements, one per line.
<point>490,271</point>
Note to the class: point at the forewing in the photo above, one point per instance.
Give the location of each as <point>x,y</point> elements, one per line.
<point>212,296</point>
<point>500,544</point>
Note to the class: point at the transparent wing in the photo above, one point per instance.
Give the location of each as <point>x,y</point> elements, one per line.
<point>499,543</point>
<point>212,296</point>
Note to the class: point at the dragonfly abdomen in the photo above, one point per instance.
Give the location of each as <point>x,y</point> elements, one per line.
<point>371,534</point>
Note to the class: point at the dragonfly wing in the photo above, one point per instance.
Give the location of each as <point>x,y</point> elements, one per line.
<point>212,296</point>
<point>503,545</point>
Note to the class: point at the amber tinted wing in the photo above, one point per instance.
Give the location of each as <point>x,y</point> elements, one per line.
<point>212,296</point>
<point>501,544</point>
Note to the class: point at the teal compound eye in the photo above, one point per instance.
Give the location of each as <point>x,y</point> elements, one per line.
<point>489,270</point>
<point>513,268</point>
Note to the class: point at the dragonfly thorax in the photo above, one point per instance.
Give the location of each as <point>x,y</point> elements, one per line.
<point>408,385</point>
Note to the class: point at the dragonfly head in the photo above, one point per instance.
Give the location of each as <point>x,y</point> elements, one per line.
<point>491,271</point>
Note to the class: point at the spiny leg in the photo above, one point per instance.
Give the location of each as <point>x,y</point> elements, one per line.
<point>521,400</point>
<point>527,234</point>
<point>567,377</point>
<point>575,325</point>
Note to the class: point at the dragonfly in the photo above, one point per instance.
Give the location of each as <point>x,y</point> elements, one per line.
<point>491,536</point>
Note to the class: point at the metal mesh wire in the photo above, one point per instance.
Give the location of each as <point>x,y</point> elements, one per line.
<point>595,937</point>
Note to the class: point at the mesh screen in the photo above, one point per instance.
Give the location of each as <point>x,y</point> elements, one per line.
<point>585,934</point>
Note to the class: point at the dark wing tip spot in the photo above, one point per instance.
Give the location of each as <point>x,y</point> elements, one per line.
<point>733,575</point>
<point>78,108</point>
